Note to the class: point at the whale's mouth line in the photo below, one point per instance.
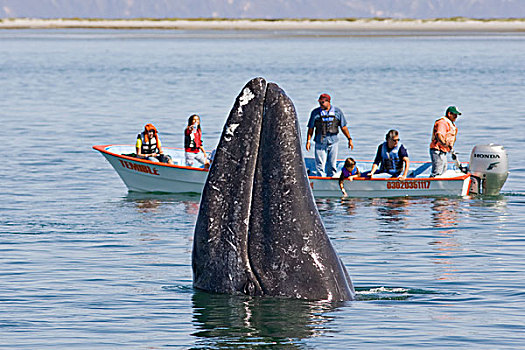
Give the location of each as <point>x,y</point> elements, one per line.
<point>258,283</point>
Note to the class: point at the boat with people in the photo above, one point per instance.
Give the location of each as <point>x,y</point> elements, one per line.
<point>484,176</point>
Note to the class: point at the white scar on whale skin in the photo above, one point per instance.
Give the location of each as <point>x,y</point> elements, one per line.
<point>317,261</point>
<point>246,97</point>
<point>229,131</point>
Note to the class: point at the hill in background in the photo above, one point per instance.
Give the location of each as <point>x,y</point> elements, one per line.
<point>262,8</point>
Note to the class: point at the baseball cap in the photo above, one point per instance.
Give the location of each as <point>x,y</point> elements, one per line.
<point>324,97</point>
<point>453,110</point>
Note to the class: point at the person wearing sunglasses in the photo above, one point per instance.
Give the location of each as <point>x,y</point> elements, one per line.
<point>391,158</point>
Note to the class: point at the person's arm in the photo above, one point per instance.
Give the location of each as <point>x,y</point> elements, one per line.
<point>151,155</point>
<point>311,127</point>
<point>441,136</point>
<point>341,182</point>
<point>345,131</point>
<point>201,147</point>
<point>441,139</point>
<point>159,147</point>
<point>405,172</point>
<point>138,148</point>
<point>403,154</point>
<point>308,138</point>
<point>357,174</point>
<point>344,127</point>
<point>374,168</point>
<point>203,151</point>
<point>451,140</point>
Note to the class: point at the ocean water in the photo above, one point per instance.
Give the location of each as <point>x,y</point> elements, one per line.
<point>86,265</point>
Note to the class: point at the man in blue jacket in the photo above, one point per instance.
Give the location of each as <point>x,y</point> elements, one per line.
<point>391,158</point>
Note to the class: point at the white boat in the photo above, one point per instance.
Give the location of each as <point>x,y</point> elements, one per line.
<point>143,175</point>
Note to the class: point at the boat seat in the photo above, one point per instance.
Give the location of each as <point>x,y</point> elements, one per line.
<point>421,169</point>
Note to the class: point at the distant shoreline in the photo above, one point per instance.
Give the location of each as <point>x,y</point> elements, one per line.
<point>349,25</point>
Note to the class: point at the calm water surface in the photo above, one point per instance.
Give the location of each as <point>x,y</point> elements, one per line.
<point>86,265</point>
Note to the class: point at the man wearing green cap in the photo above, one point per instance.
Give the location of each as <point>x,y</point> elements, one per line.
<point>443,139</point>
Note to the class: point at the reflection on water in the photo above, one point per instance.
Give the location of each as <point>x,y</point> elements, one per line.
<point>349,205</point>
<point>191,207</point>
<point>237,322</point>
<point>391,214</point>
<point>493,208</point>
<point>325,205</point>
<point>151,202</point>
<point>445,212</point>
<point>147,205</point>
<point>391,210</point>
<point>177,212</point>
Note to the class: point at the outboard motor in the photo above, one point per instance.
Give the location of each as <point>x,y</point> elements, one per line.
<point>489,167</point>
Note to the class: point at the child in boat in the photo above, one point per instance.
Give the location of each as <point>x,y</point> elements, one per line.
<point>349,172</point>
<point>193,142</point>
<point>148,145</point>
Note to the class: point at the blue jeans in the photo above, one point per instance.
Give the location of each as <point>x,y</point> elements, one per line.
<point>325,158</point>
<point>439,162</point>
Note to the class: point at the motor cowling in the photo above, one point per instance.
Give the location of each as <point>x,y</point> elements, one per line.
<point>489,166</point>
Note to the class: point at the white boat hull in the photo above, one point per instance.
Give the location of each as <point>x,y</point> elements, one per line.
<point>458,186</point>
<point>142,175</point>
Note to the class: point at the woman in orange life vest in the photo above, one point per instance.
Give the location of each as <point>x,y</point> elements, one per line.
<point>193,143</point>
<point>148,145</point>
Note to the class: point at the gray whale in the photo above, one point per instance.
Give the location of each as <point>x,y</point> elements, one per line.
<point>258,231</point>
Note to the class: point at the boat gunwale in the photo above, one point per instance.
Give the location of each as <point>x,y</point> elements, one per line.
<point>455,178</point>
<point>102,149</point>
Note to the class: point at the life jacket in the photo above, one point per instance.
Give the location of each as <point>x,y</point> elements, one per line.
<point>390,161</point>
<point>148,146</point>
<point>327,122</point>
<point>347,173</point>
<point>452,132</point>
<point>192,140</point>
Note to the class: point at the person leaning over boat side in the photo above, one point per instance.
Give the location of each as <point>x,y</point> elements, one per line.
<point>326,120</point>
<point>193,142</point>
<point>148,145</point>
<point>348,172</point>
<point>443,138</point>
<point>391,157</point>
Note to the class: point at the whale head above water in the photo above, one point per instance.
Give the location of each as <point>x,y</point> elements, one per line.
<point>258,231</point>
